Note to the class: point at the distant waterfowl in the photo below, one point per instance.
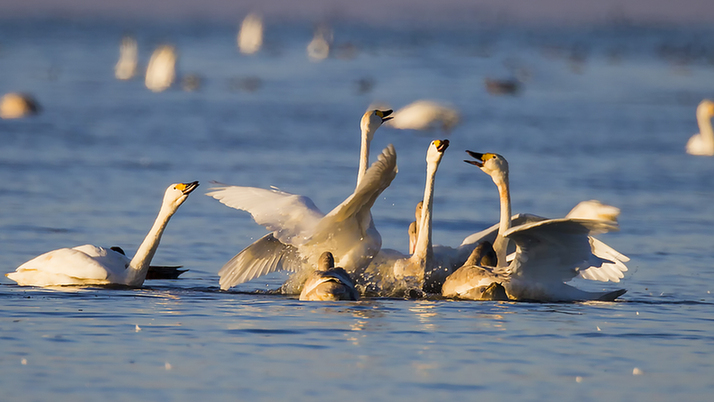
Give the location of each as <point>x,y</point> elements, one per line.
<point>125,69</point>
<point>301,231</point>
<point>250,36</point>
<point>93,265</point>
<point>548,253</point>
<point>703,142</point>
<point>329,283</point>
<point>502,86</point>
<point>161,71</point>
<point>319,47</point>
<point>425,115</point>
<point>16,105</point>
<point>417,272</point>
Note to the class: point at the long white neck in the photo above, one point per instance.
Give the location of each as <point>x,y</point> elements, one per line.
<point>423,251</point>
<point>500,246</point>
<point>705,130</point>
<point>363,155</point>
<point>139,265</point>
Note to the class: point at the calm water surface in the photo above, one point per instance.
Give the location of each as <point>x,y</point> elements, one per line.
<point>604,114</point>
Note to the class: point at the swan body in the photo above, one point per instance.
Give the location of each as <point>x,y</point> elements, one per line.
<point>16,105</point>
<point>703,143</point>
<point>93,265</point>
<point>425,115</point>
<point>125,68</point>
<point>548,252</point>
<point>397,272</point>
<point>161,71</point>
<point>329,283</point>
<point>250,36</point>
<point>300,231</point>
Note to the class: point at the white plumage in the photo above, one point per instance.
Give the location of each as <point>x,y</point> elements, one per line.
<point>93,265</point>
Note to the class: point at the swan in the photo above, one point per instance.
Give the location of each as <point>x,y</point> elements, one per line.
<point>703,143</point>
<point>161,71</point>
<point>414,227</point>
<point>319,47</point>
<point>329,283</point>
<point>548,252</point>
<point>128,56</point>
<point>268,254</point>
<point>425,115</point>
<point>416,271</point>
<point>93,265</point>
<point>16,105</point>
<point>250,36</point>
<point>301,231</point>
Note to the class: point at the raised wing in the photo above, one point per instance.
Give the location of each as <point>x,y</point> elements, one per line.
<point>291,217</point>
<point>555,249</point>
<point>378,177</point>
<point>264,256</point>
<point>490,233</point>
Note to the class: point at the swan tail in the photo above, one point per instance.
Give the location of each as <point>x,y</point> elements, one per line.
<point>164,272</point>
<point>611,296</point>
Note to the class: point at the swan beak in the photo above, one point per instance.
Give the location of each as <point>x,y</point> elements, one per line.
<point>479,158</point>
<point>441,145</point>
<point>383,114</point>
<point>186,188</point>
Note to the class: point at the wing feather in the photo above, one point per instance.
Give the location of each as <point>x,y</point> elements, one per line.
<point>291,217</point>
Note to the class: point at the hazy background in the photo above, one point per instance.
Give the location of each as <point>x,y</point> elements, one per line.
<point>379,11</point>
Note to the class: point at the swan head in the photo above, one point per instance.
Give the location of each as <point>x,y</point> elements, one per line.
<point>492,164</point>
<point>705,109</point>
<point>326,261</point>
<point>436,151</point>
<point>372,119</point>
<point>177,193</point>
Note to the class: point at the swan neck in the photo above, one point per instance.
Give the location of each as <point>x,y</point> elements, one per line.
<point>363,155</point>
<point>139,265</point>
<point>423,250</point>
<point>705,129</point>
<point>500,245</point>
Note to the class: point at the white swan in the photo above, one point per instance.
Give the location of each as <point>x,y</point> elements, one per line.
<point>161,71</point>
<point>93,265</point>
<point>396,272</point>
<point>611,270</point>
<point>301,232</point>
<point>329,283</point>
<point>128,59</point>
<point>250,36</point>
<point>548,253</point>
<point>703,143</point>
<point>425,115</point>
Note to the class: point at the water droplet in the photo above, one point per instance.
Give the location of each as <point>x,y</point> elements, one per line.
<point>138,328</point>
<point>578,379</point>
<point>637,371</point>
<point>167,366</point>
<point>23,361</point>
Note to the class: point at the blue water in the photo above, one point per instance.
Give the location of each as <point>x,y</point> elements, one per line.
<point>609,124</point>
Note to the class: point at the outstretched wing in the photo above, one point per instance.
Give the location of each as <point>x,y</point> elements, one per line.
<point>377,178</point>
<point>264,256</point>
<point>555,249</point>
<point>291,217</point>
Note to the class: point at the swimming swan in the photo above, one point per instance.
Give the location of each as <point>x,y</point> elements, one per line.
<point>548,253</point>
<point>301,232</point>
<point>268,254</point>
<point>329,283</point>
<point>93,265</point>
<point>703,143</point>
<point>418,271</point>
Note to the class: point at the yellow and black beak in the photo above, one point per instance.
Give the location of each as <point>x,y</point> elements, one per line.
<point>383,114</point>
<point>441,145</point>
<point>186,188</point>
<point>479,158</point>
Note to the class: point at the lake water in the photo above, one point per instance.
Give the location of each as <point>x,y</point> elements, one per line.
<point>604,114</point>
